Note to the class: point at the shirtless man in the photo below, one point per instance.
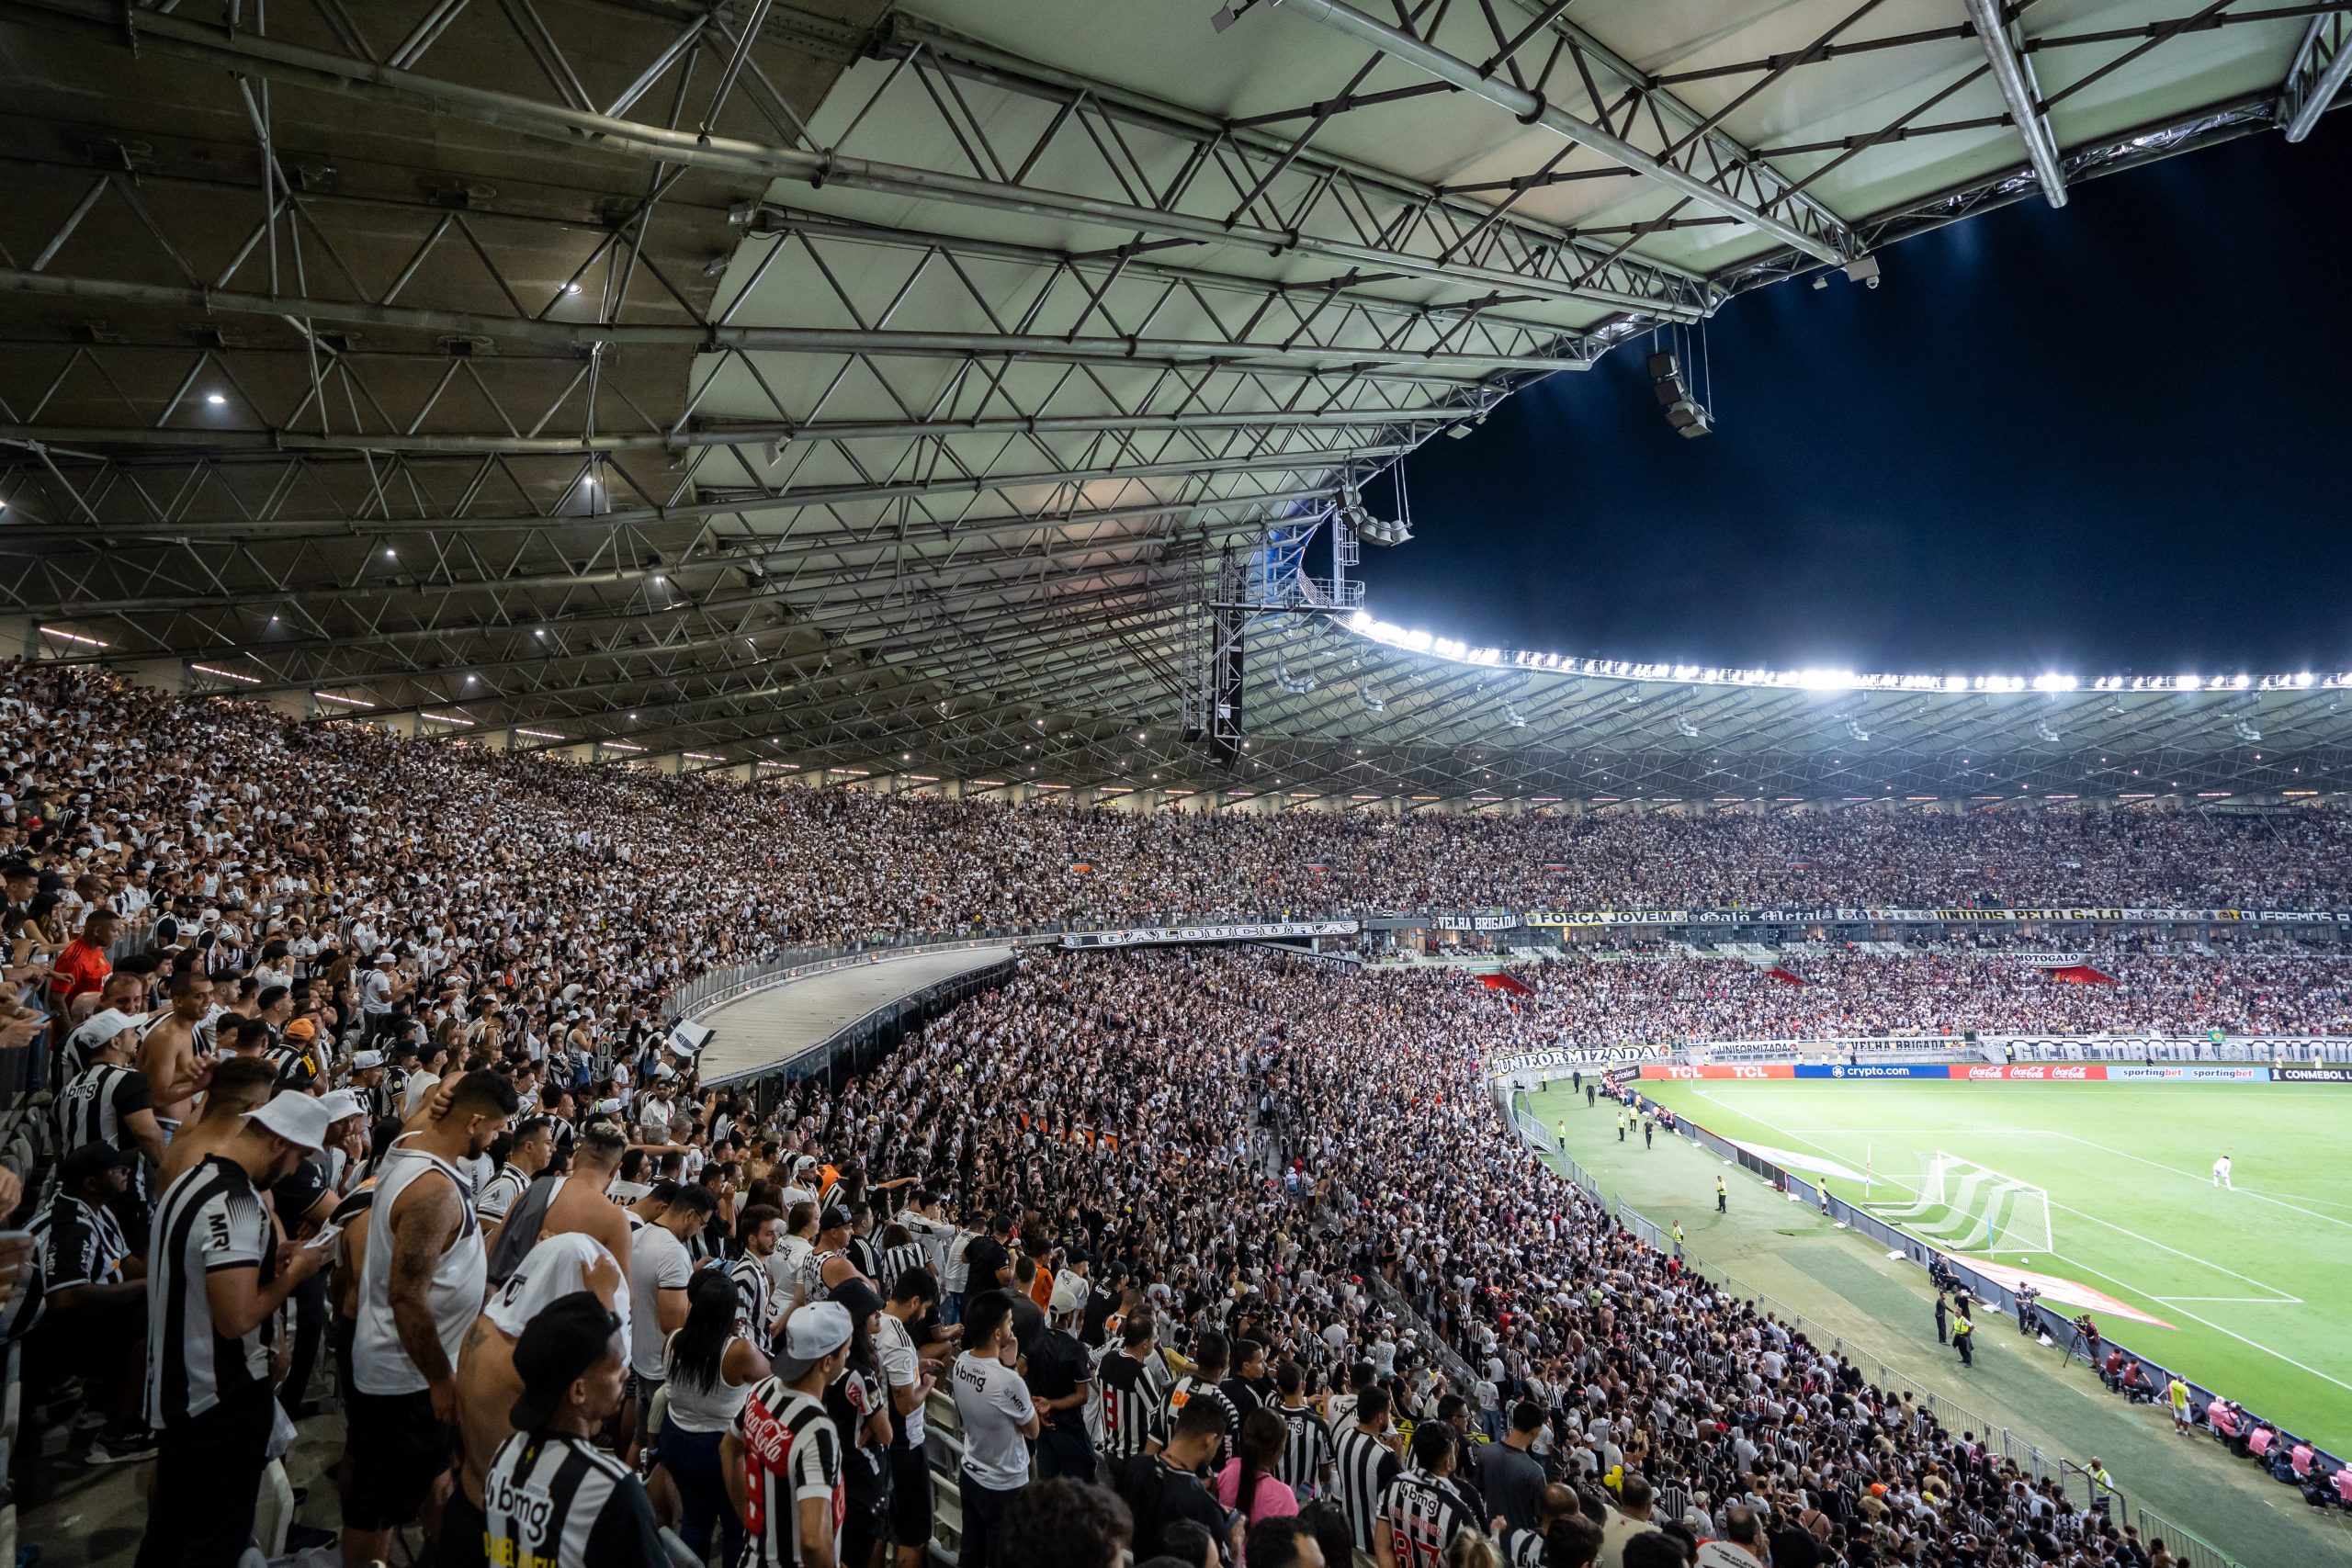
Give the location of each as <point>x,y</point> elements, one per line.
<point>580,1206</point>
<point>237,1086</point>
<point>176,1072</point>
<point>487,1382</point>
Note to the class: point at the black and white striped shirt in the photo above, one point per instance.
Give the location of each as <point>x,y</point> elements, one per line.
<point>1367,1467</point>
<point>1521,1548</point>
<point>1422,1514</point>
<point>499,1195</point>
<point>80,1244</point>
<point>553,1499</point>
<point>754,1298</point>
<point>896,1261</point>
<point>1129,1396</point>
<point>1189,1388</point>
<point>1306,1449</point>
<point>791,1452</point>
<point>210,1219</point>
<point>96,1104</point>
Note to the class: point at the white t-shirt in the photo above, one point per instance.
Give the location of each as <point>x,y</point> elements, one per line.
<point>789,1262</point>
<point>657,1262</point>
<point>901,1368</point>
<point>549,1272</point>
<point>994,1405</point>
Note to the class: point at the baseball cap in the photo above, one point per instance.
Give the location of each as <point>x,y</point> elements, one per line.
<point>298,1118</point>
<point>835,1218</point>
<point>857,1299</point>
<point>570,1335</point>
<point>301,1028</point>
<point>366,1059</point>
<point>100,1027</point>
<point>91,1159</point>
<point>815,1332</point>
<point>384,957</point>
<point>1069,1295</point>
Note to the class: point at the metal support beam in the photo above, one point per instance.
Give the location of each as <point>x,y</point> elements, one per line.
<point>1531,109</point>
<point>95,535</point>
<point>2321,63</point>
<point>2011,70</point>
<point>584,337</point>
<point>365,82</point>
<point>62,439</point>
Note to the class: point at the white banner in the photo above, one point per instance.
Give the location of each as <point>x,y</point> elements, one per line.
<point>1261,931</point>
<point>1877,916</point>
<point>2284,1047</point>
<point>1563,1059</point>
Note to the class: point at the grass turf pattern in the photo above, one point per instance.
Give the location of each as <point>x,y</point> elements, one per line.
<point>2255,1283</point>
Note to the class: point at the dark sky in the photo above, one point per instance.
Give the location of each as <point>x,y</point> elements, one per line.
<point>2111,438</point>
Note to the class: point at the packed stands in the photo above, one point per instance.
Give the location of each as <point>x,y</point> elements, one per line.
<point>447,966</point>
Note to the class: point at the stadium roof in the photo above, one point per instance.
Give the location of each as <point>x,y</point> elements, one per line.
<point>882,389</point>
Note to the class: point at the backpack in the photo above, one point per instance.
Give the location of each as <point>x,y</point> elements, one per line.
<point>520,1233</point>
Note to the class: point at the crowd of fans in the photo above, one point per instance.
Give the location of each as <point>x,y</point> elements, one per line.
<point>1832,994</point>
<point>355,1092</point>
<point>481,859</point>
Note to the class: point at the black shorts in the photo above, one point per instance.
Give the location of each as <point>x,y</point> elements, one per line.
<point>397,1449</point>
<point>910,1497</point>
<point>462,1526</point>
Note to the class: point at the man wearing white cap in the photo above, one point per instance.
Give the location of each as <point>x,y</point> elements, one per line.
<point>783,1459</point>
<point>108,1101</point>
<point>379,986</point>
<point>216,1278</point>
<point>367,1082</point>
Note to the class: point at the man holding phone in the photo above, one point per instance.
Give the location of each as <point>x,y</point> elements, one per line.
<point>217,1277</point>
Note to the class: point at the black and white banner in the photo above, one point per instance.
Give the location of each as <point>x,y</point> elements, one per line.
<point>1562,1059</point>
<point>2277,1047</point>
<point>1261,931</point>
<point>2326,1072</point>
<point>1870,916</point>
<point>1476,922</point>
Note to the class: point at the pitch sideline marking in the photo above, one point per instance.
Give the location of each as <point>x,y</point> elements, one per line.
<point>2192,1176</point>
<point>2240,1301</point>
<point>2255,1344</point>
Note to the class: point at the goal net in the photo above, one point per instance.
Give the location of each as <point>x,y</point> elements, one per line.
<point>1965,1206</point>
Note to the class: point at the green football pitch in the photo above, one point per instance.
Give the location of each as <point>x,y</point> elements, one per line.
<point>2106,1187</point>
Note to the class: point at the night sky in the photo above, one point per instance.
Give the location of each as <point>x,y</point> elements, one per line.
<point>2111,438</point>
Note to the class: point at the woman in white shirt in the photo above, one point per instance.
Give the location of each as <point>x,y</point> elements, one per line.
<point>711,1370</point>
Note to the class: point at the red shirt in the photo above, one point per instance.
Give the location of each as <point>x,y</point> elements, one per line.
<point>81,967</point>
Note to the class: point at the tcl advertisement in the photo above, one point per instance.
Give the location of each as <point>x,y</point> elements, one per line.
<point>1761,1071</point>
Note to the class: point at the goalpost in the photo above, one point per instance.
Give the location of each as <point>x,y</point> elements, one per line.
<point>1966,1205</point>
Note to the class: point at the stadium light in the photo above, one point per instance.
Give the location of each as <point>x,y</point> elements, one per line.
<point>1415,640</point>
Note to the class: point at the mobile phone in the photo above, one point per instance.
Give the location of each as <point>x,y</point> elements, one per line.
<point>326,1234</point>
